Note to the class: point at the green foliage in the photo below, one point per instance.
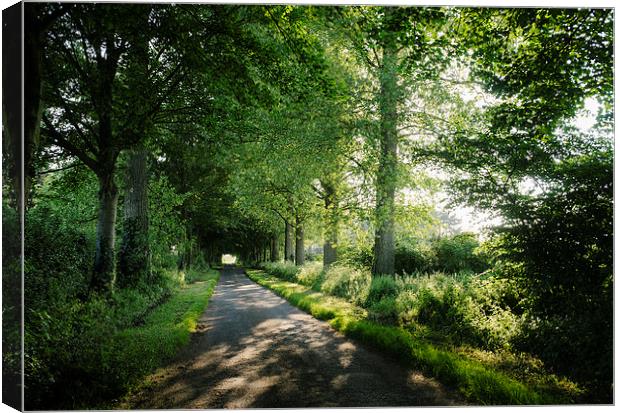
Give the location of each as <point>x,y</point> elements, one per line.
<point>381,287</point>
<point>166,227</point>
<point>412,255</point>
<point>450,254</point>
<point>564,252</point>
<point>311,275</point>
<point>11,305</point>
<point>359,255</point>
<point>458,253</point>
<point>285,270</point>
<point>349,283</point>
<point>81,353</point>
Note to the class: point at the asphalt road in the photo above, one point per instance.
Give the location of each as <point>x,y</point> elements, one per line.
<point>253,349</point>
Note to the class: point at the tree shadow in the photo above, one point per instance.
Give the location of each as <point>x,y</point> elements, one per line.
<point>253,349</point>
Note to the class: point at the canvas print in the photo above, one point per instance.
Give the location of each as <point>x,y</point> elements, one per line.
<point>211,206</point>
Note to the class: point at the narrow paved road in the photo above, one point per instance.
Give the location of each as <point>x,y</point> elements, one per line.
<point>253,349</point>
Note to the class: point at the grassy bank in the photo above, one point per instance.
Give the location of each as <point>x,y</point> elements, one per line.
<point>478,383</point>
<point>133,353</point>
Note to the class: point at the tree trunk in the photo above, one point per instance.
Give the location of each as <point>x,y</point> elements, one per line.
<point>300,257</point>
<point>134,263</point>
<point>103,271</point>
<point>383,262</point>
<point>289,254</point>
<point>331,225</point>
<point>275,253</point>
<point>12,103</point>
<point>33,69</point>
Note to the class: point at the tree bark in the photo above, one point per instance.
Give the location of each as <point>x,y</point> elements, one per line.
<point>12,103</point>
<point>33,69</point>
<point>300,257</point>
<point>134,261</point>
<point>275,253</point>
<point>383,262</point>
<point>331,225</point>
<point>289,254</point>
<point>103,270</point>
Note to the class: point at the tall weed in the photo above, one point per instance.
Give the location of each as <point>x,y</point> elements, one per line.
<point>346,282</point>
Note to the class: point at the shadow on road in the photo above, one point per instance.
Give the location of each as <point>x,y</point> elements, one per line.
<point>253,349</point>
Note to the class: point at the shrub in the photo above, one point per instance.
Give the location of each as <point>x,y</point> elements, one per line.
<point>311,274</point>
<point>357,256</point>
<point>384,310</point>
<point>350,283</point>
<point>412,256</point>
<point>284,270</point>
<point>464,308</point>
<point>65,343</point>
<point>459,253</point>
<point>381,287</point>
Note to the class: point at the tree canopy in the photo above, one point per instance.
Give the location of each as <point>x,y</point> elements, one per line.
<point>243,129</point>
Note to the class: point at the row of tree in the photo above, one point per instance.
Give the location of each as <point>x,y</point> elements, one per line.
<point>301,103</point>
<point>262,126</point>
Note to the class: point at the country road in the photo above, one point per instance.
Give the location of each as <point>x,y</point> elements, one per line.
<point>253,349</point>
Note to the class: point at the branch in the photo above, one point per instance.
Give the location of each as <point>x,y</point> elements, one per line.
<point>64,168</point>
<point>59,140</point>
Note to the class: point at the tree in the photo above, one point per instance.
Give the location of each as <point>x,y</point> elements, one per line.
<point>521,156</point>
<point>392,42</point>
<point>83,107</point>
<point>112,90</point>
<point>134,261</point>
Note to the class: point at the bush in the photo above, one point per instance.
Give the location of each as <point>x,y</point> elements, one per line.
<point>464,308</point>
<point>563,245</point>
<point>284,270</point>
<point>311,275</point>
<point>384,310</point>
<point>350,283</point>
<point>357,256</point>
<point>413,256</point>
<point>458,253</point>
<point>11,306</point>
<point>65,342</point>
<point>381,287</point>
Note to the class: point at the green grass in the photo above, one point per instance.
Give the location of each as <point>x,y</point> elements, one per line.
<point>478,383</point>
<point>135,352</point>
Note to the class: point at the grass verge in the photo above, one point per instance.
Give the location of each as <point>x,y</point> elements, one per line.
<point>477,383</point>
<point>135,352</point>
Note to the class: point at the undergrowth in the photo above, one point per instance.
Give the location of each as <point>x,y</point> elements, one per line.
<point>106,344</point>
<point>136,351</point>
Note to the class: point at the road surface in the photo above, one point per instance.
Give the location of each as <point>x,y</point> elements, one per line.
<point>253,349</point>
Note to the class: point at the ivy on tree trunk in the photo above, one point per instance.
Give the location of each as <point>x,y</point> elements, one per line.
<point>383,262</point>
<point>300,258</point>
<point>134,253</point>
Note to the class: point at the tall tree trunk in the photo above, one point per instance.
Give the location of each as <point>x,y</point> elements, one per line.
<point>103,271</point>
<point>289,254</point>
<point>12,258</point>
<point>383,262</point>
<point>331,225</point>
<point>12,156</point>
<point>300,257</point>
<point>134,261</point>
<point>275,253</point>
<point>33,69</point>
